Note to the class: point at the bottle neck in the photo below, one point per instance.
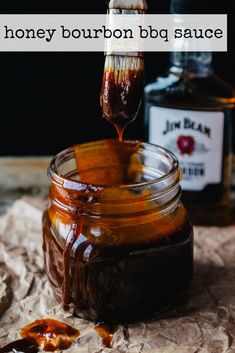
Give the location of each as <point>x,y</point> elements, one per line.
<point>192,63</point>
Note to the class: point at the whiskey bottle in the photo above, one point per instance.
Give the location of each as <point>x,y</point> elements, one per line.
<point>189,111</point>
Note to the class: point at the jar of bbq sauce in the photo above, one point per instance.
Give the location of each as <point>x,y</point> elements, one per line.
<point>117,241</point>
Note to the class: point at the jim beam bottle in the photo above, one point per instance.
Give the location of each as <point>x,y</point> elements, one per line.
<point>190,111</point>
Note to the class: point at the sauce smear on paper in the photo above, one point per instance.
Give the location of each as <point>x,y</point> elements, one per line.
<point>49,334</point>
<point>106,333</point>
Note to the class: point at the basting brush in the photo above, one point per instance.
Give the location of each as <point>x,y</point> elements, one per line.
<point>123,77</point>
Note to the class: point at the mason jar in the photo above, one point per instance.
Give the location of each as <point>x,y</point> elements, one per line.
<point>117,241</point>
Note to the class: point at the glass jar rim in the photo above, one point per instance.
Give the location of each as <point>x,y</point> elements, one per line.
<point>70,183</point>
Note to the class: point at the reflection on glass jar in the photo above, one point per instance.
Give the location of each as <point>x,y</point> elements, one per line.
<point>118,244</point>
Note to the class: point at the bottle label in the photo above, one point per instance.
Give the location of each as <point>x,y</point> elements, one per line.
<point>196,137</point>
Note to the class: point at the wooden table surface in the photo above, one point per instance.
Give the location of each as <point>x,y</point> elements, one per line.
<point>21,176</point>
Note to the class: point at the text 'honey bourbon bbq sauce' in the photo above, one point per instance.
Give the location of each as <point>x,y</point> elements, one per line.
<point>104,271</point>
<point>122,89</point>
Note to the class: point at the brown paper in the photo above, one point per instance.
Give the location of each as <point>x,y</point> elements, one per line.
<point>202,321</point>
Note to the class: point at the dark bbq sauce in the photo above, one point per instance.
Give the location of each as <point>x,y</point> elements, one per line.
<point>121,96</point>
<point>52,335</point>
<point>70,240</point>
<point>109,280</point>
<point>48,333</point>
<point>26,345</point>
<point>112,272</point>
<point>120,266</point>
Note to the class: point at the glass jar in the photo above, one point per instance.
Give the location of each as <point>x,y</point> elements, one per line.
<point>118,244</point>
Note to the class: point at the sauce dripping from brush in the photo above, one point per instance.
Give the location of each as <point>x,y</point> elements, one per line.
<point>120,132</point>
<point>70,240</point>
<point>121,92</point>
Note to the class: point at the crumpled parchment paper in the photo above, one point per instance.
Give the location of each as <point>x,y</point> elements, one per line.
<point>202,321</point>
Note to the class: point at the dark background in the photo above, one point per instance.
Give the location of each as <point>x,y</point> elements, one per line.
<point>50,101</point>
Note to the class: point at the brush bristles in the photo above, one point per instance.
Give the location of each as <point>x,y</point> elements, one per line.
<point>128,4</point>
<point>121,66</point>
<point>123,63</point>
